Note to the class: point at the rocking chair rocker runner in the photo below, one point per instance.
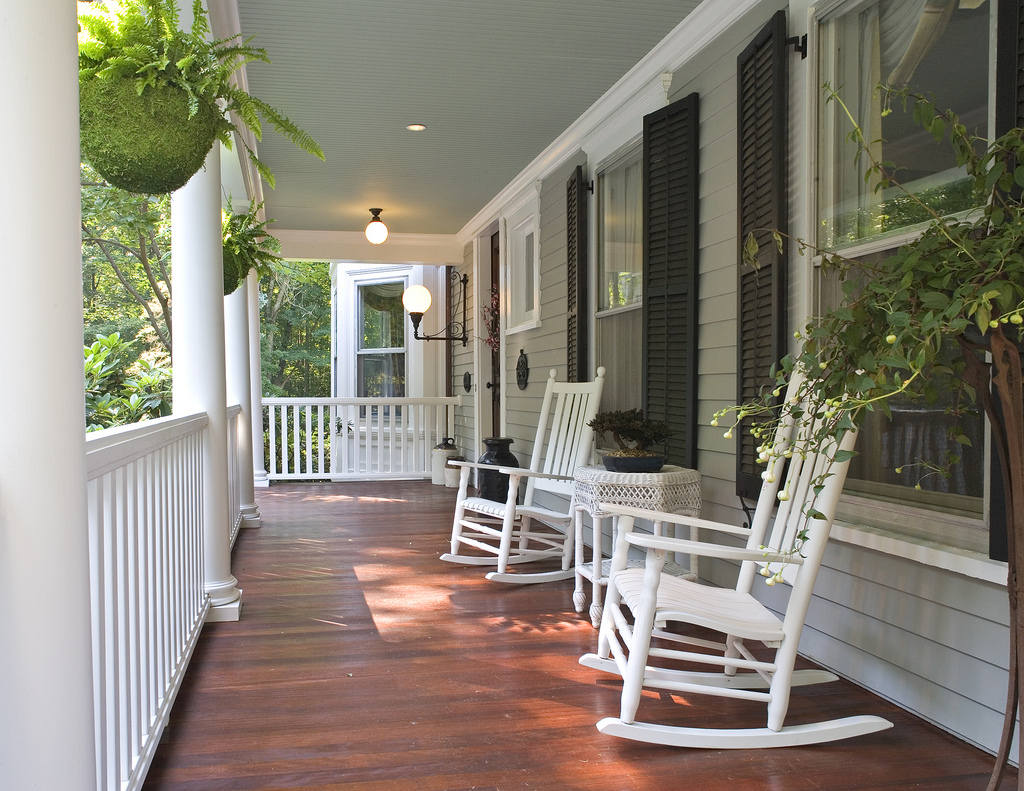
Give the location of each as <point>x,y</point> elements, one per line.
<point>509,533</point>
<point>656,600</point>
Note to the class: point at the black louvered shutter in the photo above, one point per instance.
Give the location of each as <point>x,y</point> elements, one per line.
<point>670,274</point>
<point>576,255</point>
<point>763,175</point>
<point>1009,113</point>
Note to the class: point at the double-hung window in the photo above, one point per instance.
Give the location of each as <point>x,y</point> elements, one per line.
<point>940,49</point>
<point>619,215</point>
<point>380,354</point>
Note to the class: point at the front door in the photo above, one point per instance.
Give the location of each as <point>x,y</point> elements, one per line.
<point>495,383</point>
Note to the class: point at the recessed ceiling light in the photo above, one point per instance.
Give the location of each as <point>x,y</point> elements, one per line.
<point>416,127</point>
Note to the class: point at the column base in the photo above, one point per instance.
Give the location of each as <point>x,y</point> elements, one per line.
<point>260,479</point>
<point>251,516</point>
<point>232,611</point>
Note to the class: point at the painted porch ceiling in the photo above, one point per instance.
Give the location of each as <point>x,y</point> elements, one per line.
<point>493,81</point>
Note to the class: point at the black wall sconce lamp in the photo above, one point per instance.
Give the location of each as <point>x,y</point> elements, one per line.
<point>416,300</point>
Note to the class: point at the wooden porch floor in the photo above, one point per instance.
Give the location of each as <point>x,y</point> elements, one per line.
<point>363,662</point>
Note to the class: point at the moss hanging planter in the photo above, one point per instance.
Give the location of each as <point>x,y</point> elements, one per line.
<point>144,143</point>
<point>247,246</point>
<point>153,99</point>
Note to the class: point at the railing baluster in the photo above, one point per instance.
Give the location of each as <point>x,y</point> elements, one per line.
<point>272,444</point>
<point>307,410</point>
<point>320,436</point>
<point>393,424</point>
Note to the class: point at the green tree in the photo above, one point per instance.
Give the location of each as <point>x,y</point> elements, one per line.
<point>295,314</point>
<point>126,277</point>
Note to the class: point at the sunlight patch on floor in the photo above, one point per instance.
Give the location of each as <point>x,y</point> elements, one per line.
<point>396,604</point>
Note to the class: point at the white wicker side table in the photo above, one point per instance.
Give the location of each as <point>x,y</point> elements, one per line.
<point>673,490</point>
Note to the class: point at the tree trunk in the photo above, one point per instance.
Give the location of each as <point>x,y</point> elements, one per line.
<point>1008,435</point>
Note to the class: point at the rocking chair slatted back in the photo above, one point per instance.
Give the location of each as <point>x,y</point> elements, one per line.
<point>569,438</point>
<point>809,486</point>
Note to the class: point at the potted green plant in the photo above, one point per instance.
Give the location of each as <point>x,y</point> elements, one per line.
<point>630,426</point>
<point>153,99</point>
<point>247,245</point>
<point>926,319</point>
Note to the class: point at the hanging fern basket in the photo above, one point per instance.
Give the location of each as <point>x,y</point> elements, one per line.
<point>143,143</point>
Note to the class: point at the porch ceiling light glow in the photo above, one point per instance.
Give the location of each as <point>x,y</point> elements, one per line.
<point>376,231</point>
<point>416,300</point>
<point>416,127</point>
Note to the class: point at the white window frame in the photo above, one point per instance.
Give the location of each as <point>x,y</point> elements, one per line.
<point>855,511</point>
<point>521,265</point>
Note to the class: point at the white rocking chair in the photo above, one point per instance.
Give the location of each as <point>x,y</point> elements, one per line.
<point>656,600</point>
<point>507,533</point>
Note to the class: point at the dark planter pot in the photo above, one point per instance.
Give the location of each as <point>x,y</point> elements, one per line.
<point>633,463</point>
<point>145,143</point>
<point>494,485</point>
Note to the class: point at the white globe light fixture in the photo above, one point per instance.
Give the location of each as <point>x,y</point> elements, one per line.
<point>416,300</point>
<point>376,231</point>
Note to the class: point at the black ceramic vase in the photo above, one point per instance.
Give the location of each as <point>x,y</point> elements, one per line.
<point>494,485</point>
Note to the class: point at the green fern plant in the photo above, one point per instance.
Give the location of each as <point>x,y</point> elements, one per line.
<point>133,57</point>
<point>247,245</point>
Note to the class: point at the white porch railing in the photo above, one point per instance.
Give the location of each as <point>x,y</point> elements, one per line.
<point>147,583</point>
<point>354,438</point>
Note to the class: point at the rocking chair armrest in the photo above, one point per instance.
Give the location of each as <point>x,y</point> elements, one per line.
<point>676,519</point>
<point>704,549</point>
<point>473,465</point>
<point>523,472</point>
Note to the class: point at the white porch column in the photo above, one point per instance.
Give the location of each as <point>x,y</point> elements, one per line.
<point>47,738</point>
<point>199,368</point>
<point>236,333</point>
<point>252,290</point>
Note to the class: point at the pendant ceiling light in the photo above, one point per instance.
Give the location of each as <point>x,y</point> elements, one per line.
<point>376,231</point>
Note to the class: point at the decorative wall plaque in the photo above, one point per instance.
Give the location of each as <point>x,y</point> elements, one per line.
<point>522,370</point>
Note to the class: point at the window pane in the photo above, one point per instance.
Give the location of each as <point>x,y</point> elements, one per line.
<point>618,343</point>
<point>620,229</point>
<point>917,432</point>
<point>381,375</point>
<point>937,51</point>
<point>383,317</point>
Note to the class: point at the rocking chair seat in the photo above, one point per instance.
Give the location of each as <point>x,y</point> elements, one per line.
<point>496,510</point>
<point>723,609</point>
